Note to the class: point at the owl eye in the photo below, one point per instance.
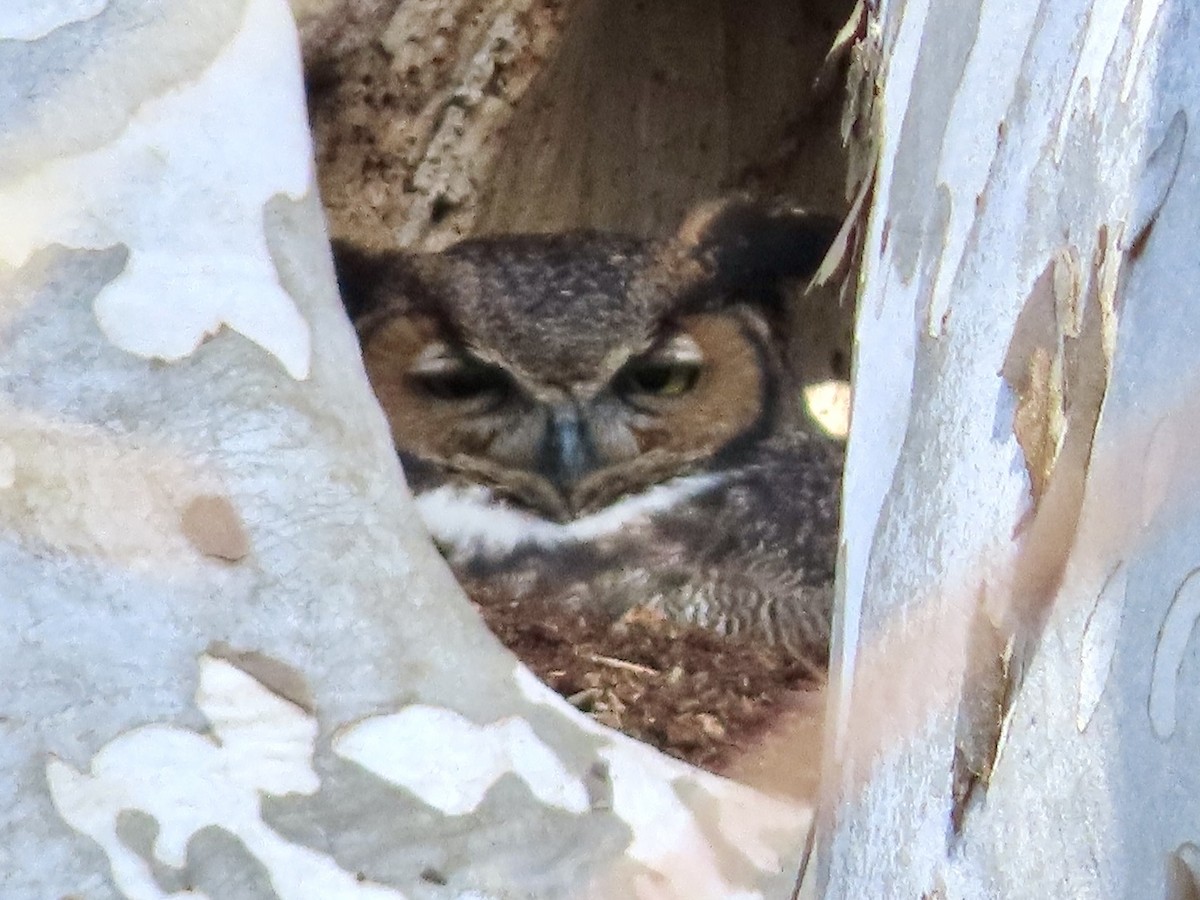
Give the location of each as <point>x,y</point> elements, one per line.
<point>461,381</point>
<point>658,378</point>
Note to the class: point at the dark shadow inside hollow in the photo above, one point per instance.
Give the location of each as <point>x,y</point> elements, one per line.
<point>614,114</point>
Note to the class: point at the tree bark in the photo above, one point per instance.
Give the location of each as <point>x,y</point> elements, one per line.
<point>232,664</point>
<point>1014,693</point>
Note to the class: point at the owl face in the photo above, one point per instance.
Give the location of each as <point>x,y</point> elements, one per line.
<point>566,372</point>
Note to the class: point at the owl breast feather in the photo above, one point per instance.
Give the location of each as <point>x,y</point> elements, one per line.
<point>470,524</point>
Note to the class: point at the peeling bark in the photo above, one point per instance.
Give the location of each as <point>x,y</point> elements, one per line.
<point>1019,388</point>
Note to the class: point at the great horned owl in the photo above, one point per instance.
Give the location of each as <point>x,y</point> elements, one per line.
<point>605,421</point>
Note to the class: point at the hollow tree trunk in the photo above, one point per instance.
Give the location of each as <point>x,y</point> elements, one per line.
<point>232,664</point>
<point>436,120</point>
<point>1017,707</point>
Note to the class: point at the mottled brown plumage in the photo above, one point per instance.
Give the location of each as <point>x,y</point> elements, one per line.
<point>601,420</point>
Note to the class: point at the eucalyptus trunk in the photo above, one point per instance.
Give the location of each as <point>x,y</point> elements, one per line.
<point>1016,687</point>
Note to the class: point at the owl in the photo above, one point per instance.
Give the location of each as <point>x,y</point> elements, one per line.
<point>608,422</point>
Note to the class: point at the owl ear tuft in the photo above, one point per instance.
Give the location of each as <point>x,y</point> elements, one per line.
<point>360,274</point>
<point>372,281</point>
<point>750,245</point>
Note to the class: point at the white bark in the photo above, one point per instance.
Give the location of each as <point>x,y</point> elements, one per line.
<point>231,663</point>
<point>1021,516</point>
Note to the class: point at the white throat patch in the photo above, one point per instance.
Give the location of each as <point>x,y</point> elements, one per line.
<point>470,521</point>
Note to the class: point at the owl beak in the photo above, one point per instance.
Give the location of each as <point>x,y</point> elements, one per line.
<point>566,452</point>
